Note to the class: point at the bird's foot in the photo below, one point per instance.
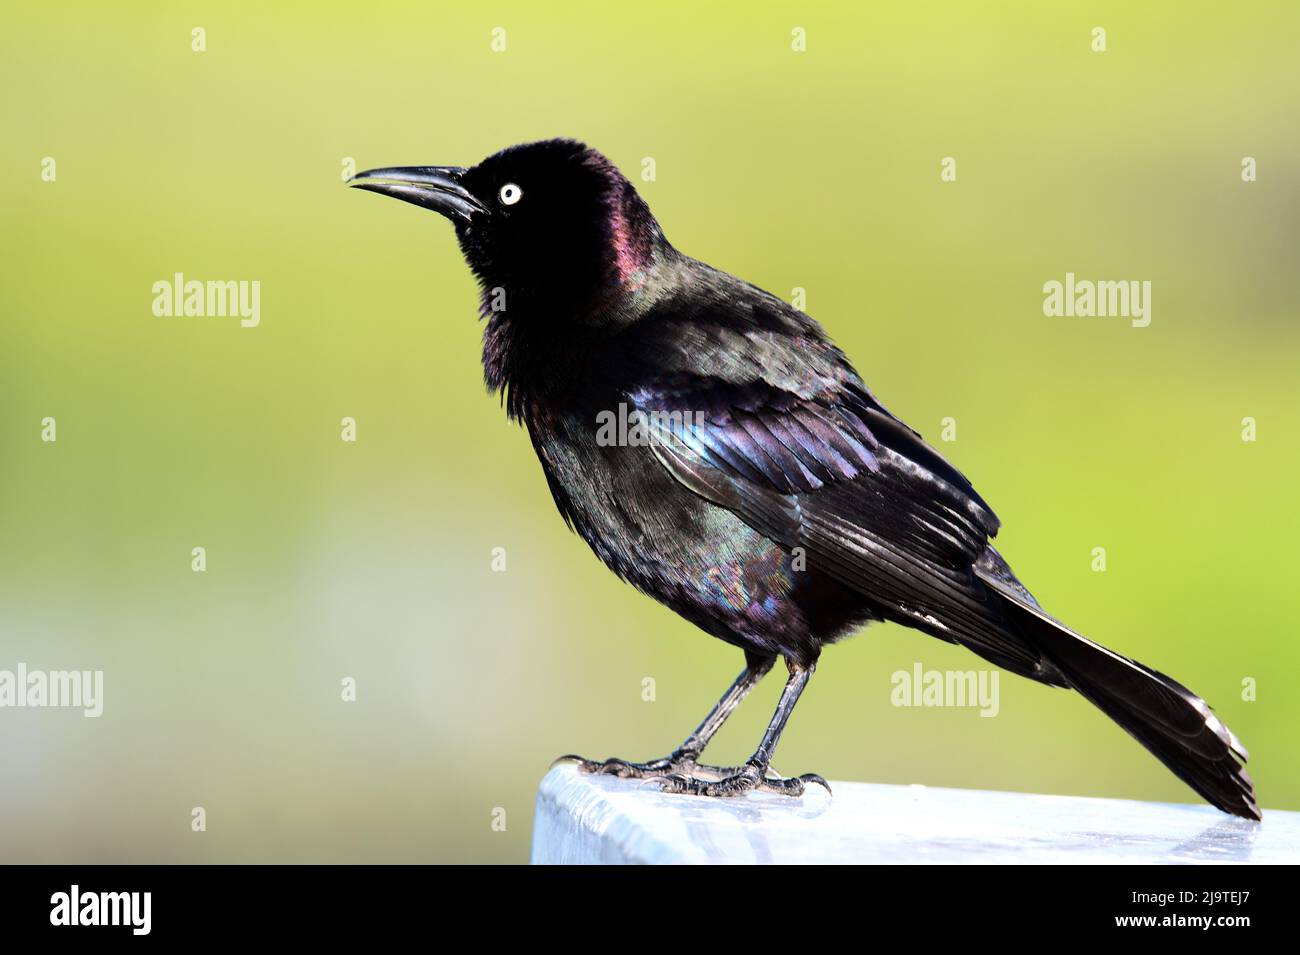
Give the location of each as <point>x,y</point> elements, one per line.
<point>678,762</point>
<point>749,778</point>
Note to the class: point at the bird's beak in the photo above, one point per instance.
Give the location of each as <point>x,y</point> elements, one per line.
<point>432,187</point>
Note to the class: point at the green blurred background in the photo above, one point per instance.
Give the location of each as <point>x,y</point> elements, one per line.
<point>372,560</point>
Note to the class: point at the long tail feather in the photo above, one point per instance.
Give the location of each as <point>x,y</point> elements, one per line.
<point>1171,721</point>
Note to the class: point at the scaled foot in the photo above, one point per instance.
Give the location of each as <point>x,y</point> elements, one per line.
<point>678,764</point>
<point>750,778</point>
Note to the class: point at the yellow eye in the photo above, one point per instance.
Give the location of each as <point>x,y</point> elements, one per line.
<point>510,194</point>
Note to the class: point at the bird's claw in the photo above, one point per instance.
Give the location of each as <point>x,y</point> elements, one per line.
<point>820,781</point>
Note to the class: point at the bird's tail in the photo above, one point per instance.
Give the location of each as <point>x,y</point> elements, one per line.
<point>1175,724</point>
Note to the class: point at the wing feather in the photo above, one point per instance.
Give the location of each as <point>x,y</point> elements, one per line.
<point>782,431</point>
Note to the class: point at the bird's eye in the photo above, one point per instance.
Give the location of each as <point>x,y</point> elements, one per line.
<point>510,194</point>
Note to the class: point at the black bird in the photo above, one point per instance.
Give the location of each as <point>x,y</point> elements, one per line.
<point>752,482</point>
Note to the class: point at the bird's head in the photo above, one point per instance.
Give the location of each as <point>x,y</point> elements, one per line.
<point>551,224</point>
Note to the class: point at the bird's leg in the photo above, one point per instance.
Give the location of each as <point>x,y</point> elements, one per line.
<point>753,775</point>
<point>683,758</point>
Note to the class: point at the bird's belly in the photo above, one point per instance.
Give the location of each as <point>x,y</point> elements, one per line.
<point>697,558</point>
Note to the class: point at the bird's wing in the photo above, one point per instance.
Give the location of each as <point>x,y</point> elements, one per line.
<point>773,423</point>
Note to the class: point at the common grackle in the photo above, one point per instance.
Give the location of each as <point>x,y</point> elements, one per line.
<point>718,452</point>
